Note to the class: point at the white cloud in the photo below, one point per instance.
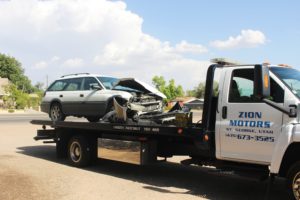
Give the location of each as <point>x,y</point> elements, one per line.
<point>55,59</point>
<point>103,36</point>
<point>41,65</point>
<point>73,63</point>
<point>185,47</point>
<point>247,39</point>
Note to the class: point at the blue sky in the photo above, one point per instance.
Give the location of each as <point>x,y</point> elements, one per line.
<point>135,38</point>
<point>202,21</point>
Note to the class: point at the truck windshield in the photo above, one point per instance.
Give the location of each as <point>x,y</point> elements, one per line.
<point>291,77</point>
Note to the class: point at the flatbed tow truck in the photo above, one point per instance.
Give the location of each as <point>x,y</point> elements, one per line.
<point>251,127</point>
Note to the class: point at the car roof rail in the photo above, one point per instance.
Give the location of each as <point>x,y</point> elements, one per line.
<point>74,74</point>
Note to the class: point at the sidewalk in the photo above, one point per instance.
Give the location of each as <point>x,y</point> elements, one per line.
<point>20,112</point>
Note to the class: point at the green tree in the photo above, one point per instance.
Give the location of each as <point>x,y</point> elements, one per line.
<point>12,69</point>
<point>17,98</point>
<point>170,90</point>
<point>199,91</point>
<point>39,86</point>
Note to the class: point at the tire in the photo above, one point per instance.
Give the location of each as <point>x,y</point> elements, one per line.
<point>56,114</point>
<point>93,119</point>
<point>79,152</point>
<point>293,181</point>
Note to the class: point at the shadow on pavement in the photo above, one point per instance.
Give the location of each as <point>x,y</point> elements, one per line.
<point>164,177</point>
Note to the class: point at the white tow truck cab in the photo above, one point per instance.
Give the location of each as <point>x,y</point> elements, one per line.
<point>251,126</point>
<point>257,118</point>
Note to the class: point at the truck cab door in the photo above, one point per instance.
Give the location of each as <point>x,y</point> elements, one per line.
<point>247,128</point>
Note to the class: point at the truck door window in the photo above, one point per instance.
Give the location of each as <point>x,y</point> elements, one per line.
<point>242,88</point>
<point>277,93</point>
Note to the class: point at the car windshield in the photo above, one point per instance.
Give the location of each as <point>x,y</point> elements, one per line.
<point>291,77</point>
<point>108,82</point>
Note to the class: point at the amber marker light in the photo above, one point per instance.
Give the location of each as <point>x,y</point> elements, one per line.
<point>266,81</point>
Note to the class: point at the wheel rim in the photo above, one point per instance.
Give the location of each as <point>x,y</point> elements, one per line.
<point>75,152</point>
<point>55,112</point>
<point>296,186</point>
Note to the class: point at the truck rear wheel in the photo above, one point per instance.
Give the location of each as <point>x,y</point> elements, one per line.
<point>79,151</point>
<point>293,181</point>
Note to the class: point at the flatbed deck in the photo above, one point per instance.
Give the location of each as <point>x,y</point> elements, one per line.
<point>135,128</point>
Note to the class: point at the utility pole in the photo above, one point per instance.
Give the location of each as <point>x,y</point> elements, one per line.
<point>47,81</point>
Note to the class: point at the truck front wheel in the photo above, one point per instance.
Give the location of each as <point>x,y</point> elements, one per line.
<point>79,151</point>
<point>293,181</point>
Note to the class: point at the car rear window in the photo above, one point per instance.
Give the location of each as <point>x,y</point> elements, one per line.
<point>58,85</point>
<point>66,85</point>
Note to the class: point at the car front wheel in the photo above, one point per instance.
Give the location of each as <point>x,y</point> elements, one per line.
<point>56,113</point>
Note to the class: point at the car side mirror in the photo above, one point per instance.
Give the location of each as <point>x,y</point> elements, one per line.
<point>96,87</point>
<point>261,81</point>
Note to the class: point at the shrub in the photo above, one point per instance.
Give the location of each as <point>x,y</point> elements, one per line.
<point>11,110</point>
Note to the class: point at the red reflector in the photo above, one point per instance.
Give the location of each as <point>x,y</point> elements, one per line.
<point>180,131</point>
<point>206,138</point>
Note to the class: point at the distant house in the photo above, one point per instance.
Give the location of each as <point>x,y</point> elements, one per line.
<point>190,102</point>
<point>195,103</point>
<point>3,83</point>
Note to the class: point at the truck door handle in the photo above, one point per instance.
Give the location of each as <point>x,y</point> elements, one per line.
<point>224,112</point>
<point>61,95</point>
<point>81,95</point>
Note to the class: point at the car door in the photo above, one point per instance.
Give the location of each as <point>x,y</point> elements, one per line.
<point>249,128</point>
<point>93,100</point>
<point>70,97</point>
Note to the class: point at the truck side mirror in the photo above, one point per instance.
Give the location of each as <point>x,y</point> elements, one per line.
<point>261,81</point>
<point>262,90</point>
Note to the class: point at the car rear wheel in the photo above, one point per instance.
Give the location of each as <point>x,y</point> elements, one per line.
<point>56,113</point>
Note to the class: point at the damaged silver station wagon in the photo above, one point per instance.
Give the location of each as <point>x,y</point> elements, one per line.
<point>94,96</point>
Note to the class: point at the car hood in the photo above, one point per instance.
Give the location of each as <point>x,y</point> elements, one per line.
<point>135,84</point>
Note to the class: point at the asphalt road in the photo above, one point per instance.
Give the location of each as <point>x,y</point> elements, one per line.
<point>21,118</point>
<point>30,170</point>
<point>26,118</point>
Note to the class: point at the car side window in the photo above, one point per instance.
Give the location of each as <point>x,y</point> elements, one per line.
<point>89,82</point>
<point>58,85</point>
<point>73,84</point>
<point>242,88</point>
